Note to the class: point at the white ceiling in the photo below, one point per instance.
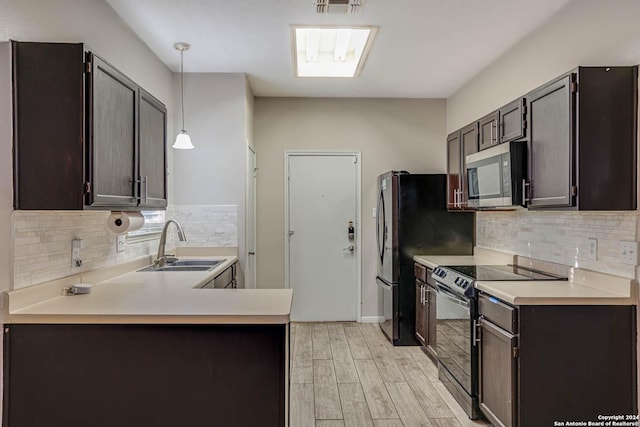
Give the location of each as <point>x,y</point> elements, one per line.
<point>423,49</point>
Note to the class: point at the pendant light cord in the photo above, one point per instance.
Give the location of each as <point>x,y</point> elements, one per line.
<point>182,84</point>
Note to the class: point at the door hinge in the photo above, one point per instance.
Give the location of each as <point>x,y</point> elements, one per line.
<point>574,87</point>
<point>87,67</point>
<point>87,187</point>
<point>516,352</point>
<point>574,190</point>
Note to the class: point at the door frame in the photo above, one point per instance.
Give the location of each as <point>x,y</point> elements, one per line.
<point>254,167</point>
<point>358,155</point>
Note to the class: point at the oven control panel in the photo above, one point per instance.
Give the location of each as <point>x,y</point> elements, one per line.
<point>455,281</point>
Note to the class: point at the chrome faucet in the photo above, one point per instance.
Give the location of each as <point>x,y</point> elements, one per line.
<point>162,258</point>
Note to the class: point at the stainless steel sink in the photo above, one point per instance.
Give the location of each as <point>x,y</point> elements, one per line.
<point>184,265</point>
<point>195,262</point>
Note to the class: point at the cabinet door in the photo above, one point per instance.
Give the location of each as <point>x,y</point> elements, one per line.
<point>453,170</point>
<point>152,151</point>
<point>420,313</point>
<point>488,131</point>
<point>113,136</point>
<point>551,145</point>
<point>512,121</point>
<point>469,144</point>
<point>431,320</point>
<point>48,114</point>
<point>497,394</point>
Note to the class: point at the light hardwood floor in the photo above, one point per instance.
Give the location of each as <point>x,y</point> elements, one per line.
<point>348,375</point>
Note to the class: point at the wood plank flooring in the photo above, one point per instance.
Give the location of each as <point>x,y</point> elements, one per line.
<point>348,375</point>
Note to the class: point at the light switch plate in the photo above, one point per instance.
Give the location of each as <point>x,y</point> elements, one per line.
<point>121,243</point>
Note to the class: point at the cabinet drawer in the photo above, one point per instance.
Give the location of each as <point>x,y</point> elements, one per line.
<point>223,280</point>
<point>420,272</point>
<point>498,312</point>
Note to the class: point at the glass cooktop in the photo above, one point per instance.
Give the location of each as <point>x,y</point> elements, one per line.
<point>501,272</point>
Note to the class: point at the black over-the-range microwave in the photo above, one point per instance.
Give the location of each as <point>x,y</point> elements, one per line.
<point>496,176</point>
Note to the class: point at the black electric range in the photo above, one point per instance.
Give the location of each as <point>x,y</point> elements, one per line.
<point>460,278</point>
<point>456,324</point>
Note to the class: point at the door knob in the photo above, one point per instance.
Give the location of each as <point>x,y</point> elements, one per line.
<point>350,248</point>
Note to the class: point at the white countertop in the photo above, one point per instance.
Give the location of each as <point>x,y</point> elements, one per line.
<point>584,287</point>
<point>153,297</point>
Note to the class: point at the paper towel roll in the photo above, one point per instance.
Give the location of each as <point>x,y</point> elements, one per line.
<point>123,222</point>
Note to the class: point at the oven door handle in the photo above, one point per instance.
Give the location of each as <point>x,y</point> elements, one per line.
<point>451,296</point>
<point>383,285</point>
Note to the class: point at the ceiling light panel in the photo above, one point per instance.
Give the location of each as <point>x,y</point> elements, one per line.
<point>330,51</point>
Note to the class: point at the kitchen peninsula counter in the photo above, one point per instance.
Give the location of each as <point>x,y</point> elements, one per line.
<point>153,298</point>
<point>146,348</point>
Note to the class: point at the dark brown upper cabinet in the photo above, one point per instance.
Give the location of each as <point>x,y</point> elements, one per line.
<point>459,145</point>
<point>85,135</point>
<point>488,134</point>
<point>152,128</point>
<point>513,122</point>
<point>454,170</point>
<point>48,125</point>
<point>582,140</point>
<point>113,123</point>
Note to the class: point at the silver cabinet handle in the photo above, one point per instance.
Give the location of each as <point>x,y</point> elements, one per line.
<point>350,248</point>
<point>477,324</point>
<point>525,184</point>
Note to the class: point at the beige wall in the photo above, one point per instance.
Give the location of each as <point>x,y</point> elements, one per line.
<point>390,133</point>
<point>216,110</point>
<point>585,32</point>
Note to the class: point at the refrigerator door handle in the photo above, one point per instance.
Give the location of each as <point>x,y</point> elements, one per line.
<point>381,230</point>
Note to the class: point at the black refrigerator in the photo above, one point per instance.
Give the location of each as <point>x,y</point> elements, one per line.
<point>412,219</point>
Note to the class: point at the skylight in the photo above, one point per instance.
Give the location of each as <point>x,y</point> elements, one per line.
<point>330,51</point>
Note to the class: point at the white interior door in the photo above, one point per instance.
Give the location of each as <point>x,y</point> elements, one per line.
<point>323,261</point>
<point>250,271</point>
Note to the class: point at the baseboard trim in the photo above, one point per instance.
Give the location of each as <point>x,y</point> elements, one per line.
<point>372,319</point>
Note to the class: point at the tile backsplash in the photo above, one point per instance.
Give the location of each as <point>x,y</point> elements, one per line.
<point>207,225</point>
<point>42,244</point>
<point>42,239</point>
<point>561,237</point>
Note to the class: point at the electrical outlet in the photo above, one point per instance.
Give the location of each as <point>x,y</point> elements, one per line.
<point>629,252</point>
<point>121,243</point>
<point>592,251</point>
<point>76,245</point>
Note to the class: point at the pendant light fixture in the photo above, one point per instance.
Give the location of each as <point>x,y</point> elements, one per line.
<point>183,141</point>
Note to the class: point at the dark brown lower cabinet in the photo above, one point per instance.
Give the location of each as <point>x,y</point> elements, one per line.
<point>498,378</point>
<point>546,364</point>
<point>425,309</point>
<point>421,313</point>
<point>145,375</point>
